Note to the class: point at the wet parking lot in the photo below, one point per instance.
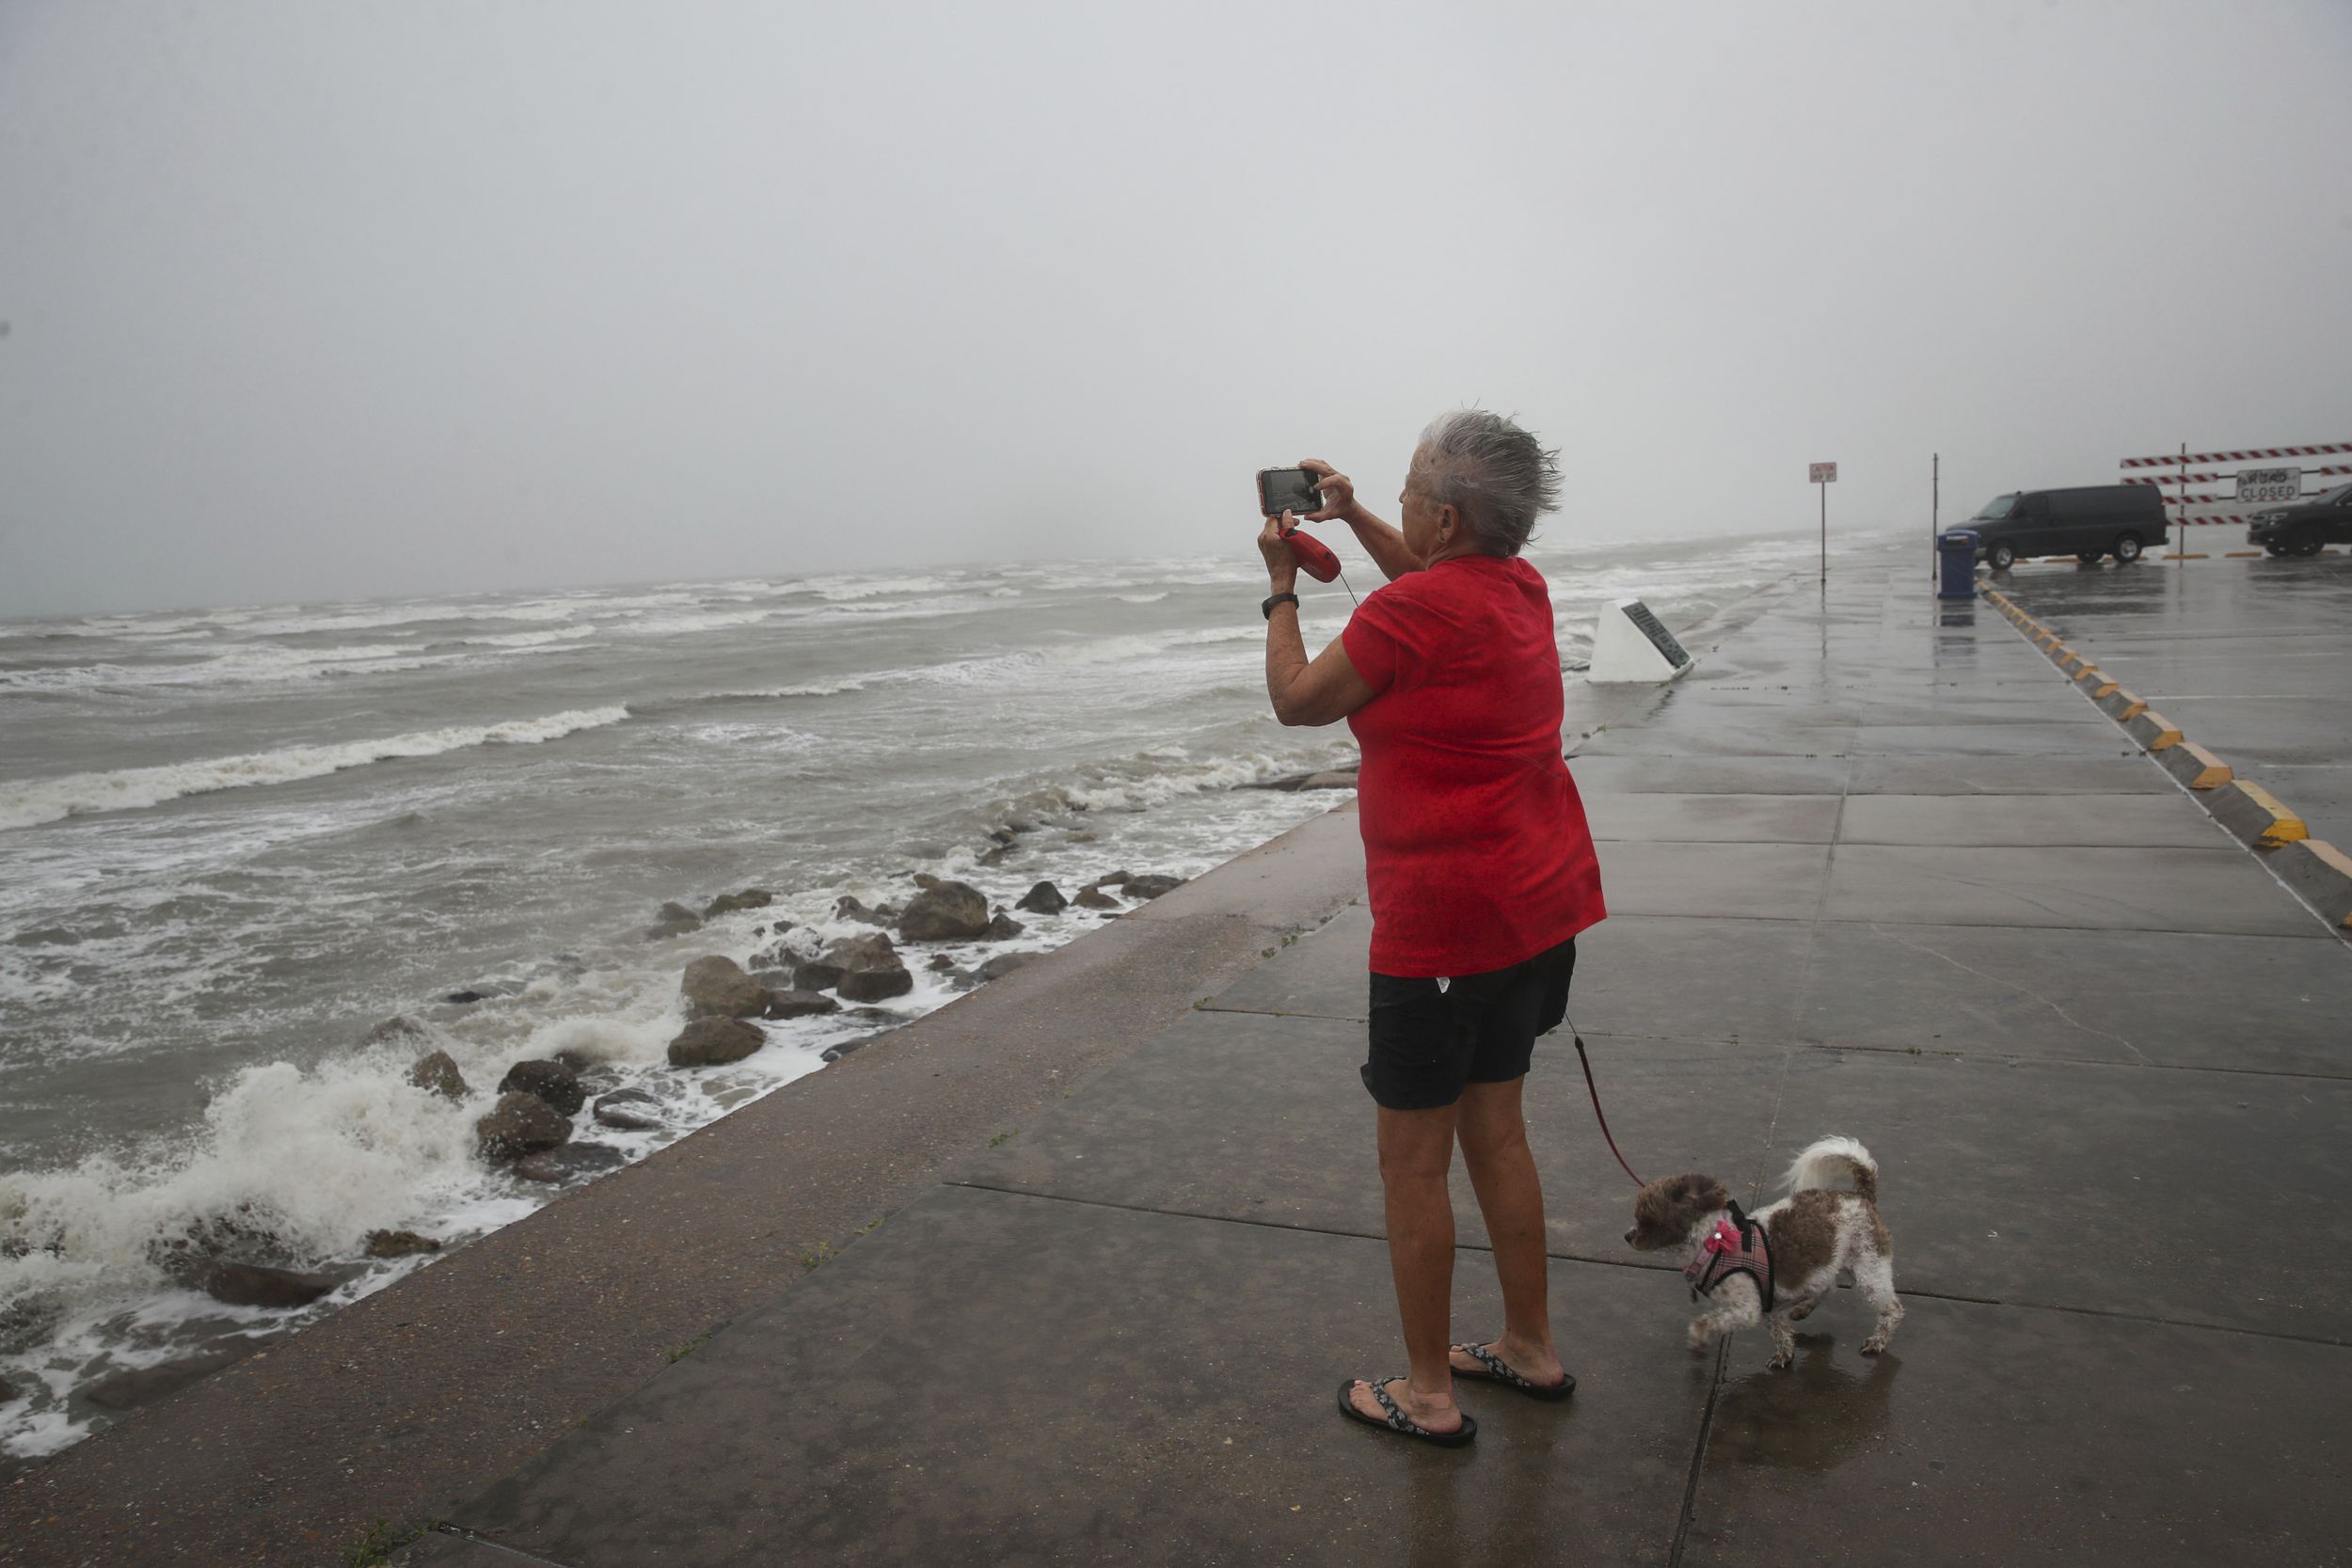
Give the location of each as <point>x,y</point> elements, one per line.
<point>2250,658</point>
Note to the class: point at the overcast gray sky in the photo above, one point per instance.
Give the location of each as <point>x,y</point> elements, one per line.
<point>325,300</point>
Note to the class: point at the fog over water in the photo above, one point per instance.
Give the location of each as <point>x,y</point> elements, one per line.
<point>320,302</point>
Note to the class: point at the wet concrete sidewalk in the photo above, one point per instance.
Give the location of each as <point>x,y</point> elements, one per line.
<point>1875,870</point>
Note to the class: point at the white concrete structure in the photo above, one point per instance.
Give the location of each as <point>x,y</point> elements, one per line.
<point>1630,644</point>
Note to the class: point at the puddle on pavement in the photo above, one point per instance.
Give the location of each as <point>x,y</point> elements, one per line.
<point>1833,1405</point>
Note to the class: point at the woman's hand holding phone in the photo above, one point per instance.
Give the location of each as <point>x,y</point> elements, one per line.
<point>1339,491</point>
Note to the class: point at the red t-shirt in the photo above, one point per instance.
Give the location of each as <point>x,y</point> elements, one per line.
<point>1475,845</point>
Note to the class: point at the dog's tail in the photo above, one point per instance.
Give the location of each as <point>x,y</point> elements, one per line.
<point>1825,1157</point>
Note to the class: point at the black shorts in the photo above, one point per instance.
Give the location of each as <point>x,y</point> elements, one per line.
<point>1428,1042</point>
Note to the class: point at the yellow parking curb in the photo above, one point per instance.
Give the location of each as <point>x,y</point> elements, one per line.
<point>2256,816</point>
<point>2242,555</point>
<point>2153,730</point>
<point>2121,705</point>
<point>2194,765</point>
<point>2100,682</point>
<point>2322,873</point>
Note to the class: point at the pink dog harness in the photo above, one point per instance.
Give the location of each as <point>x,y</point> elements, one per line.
<point>1737,1244</point>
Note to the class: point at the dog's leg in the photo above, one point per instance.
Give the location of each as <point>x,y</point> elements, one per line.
<point>1783,1343</point>
<point>1737,1306</point>
<point>1802,1308</point>
<point>1875,1277</point>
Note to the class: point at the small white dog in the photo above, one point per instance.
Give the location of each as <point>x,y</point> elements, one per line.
<point>1775,1265</point>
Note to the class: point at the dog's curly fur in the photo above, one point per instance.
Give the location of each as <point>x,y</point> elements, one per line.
<point>1819,1238</point>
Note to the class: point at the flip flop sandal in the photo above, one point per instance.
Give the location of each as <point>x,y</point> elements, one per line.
<point>1399,1422</point>
<point>1499,1371</point>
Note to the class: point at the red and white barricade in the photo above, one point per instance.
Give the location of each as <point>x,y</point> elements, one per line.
<point>2260,479</point>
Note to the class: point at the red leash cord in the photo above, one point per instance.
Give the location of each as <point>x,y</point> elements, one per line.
<point>1595,1092</point>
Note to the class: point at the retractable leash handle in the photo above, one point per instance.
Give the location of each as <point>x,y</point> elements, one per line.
<point>1314,557</point>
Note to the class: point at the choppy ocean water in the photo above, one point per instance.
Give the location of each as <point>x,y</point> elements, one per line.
<point>233,840</point>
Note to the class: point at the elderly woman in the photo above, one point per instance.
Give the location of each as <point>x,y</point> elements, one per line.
<point>1480,870</point>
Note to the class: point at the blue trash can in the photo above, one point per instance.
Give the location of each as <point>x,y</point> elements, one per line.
<point>1956,549</point>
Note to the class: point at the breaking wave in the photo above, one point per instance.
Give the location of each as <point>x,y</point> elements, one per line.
<point>41,801</point>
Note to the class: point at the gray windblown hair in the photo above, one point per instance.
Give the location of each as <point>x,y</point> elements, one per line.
<point>1498,476</point>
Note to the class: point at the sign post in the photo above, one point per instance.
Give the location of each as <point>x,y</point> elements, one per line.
<point>1823,475</point>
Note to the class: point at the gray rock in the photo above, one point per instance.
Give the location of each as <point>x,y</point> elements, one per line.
<point>520,1124</point>
<point>1094,898</point>
<point>716,987</point>
<point>876,984</point>
<point>728,903</point>
<point>1334,779</point>
<point>136,1390</point>
<point>258,1285</point>
<point>849,908</point>
<point>1002,965</point>
<point>562,1164</point>
<point>940,964</point>
<point>714,1042</point>
<point>1150,887</point>
<point>551,1081</point>
<point>1044,899</point>
<point>399,1244</point>
<point>1004,928</point>
<point>800,1004</point>
<point>620,1109</point>
<point>675,915</point>
<point>7,1390</point>
<point>952,911</point>
<point>436,1074</point>
<point>925,880</point>
<point>465,998</point>
<point>873,951</point>
<point>816,976</point>
<point>1112,880</point>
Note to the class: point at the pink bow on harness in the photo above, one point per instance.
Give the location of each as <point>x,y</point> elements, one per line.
<point>1737,1244</point>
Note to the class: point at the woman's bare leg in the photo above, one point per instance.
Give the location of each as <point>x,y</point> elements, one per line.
<point>1416,1154</point>
<point>1502,1172</point>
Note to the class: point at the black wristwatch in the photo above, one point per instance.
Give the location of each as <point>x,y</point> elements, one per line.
<point>1279,598</point>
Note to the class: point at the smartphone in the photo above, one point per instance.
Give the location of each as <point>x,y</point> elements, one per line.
<point>1282,490</point>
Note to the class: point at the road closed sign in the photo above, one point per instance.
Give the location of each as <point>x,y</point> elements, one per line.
<point>2269,484</point>
<point>1823,473</point>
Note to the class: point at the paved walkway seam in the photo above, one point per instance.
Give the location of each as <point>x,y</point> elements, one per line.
<point>1698,1456</point>
<point>496,1548</point>
<point>2017,1304</point>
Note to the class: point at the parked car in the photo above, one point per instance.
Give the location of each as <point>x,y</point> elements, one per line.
<point>2088,522</point>
<point>2303,527</point>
